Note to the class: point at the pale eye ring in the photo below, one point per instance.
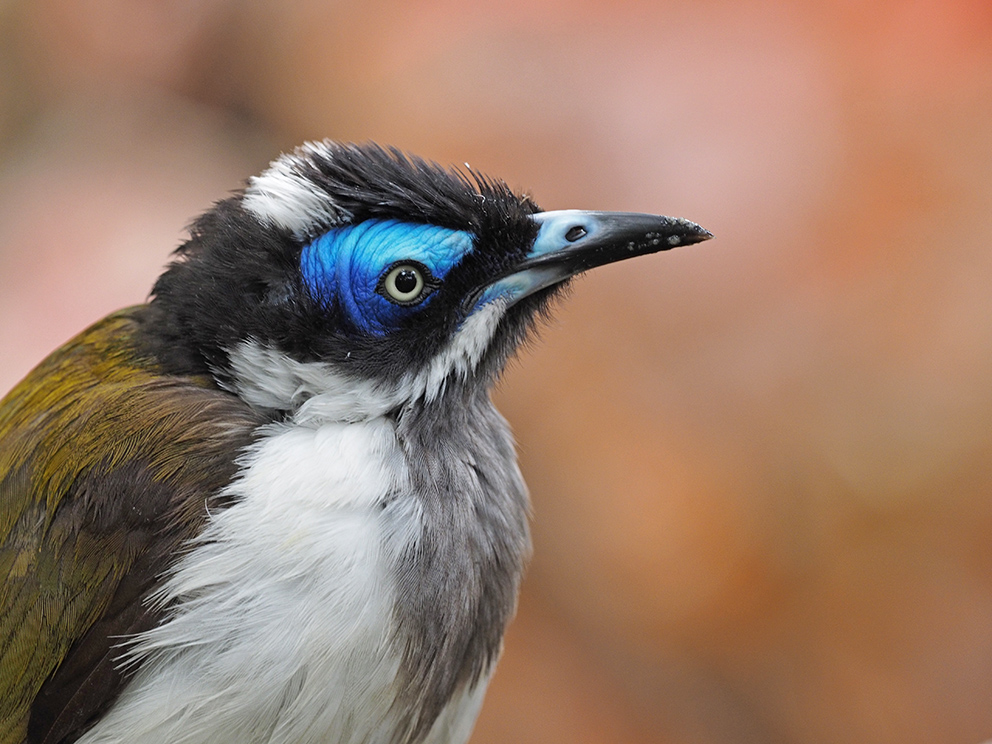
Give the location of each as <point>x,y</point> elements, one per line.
<point>406,283</point>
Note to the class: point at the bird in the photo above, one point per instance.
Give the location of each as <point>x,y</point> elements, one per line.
<point>275,503</point>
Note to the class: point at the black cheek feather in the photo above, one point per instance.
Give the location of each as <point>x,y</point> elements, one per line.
<point>221,289</point>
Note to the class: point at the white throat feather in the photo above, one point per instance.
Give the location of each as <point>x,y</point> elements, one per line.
<point>316,392</point>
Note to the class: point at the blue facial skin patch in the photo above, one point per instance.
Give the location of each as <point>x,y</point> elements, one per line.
<point>347,263</point>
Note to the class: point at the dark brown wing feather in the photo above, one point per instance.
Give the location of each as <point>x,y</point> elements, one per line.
<point>106,466</point>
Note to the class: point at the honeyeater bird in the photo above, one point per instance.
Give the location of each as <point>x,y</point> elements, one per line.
<point>275,503</point>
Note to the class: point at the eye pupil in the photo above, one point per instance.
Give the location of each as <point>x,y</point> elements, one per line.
<point>406,281</point>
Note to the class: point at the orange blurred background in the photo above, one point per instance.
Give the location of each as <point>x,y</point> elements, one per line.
<point>760,466</point>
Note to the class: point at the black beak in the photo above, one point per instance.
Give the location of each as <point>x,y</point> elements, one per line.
<point>572,241</point>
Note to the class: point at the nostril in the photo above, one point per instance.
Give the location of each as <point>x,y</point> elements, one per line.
<point>576,232</point>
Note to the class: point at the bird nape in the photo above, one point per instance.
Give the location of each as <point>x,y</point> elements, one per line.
<point>275,504</point>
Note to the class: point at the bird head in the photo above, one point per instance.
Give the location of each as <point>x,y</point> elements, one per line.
<point>349,281</point>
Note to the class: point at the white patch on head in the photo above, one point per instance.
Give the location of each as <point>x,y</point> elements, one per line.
<point>317,392</point>
<point>283,197</point>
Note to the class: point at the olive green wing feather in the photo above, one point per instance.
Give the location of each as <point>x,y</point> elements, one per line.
<point>106,466</point>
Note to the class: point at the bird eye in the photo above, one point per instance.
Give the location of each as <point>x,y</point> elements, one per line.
<point>406,283</point>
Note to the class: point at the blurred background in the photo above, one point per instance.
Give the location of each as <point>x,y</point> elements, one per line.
<point>761,467</point>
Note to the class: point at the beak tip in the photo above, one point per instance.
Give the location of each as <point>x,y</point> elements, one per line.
<point>689,234</point>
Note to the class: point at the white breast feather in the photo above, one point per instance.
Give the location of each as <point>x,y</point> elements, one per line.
<point>283,628</point>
